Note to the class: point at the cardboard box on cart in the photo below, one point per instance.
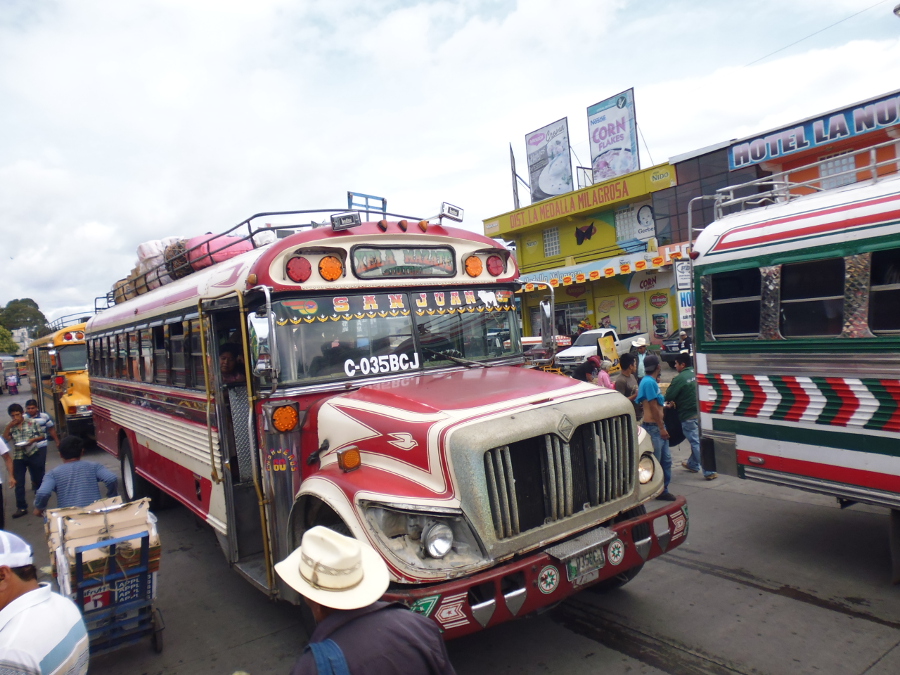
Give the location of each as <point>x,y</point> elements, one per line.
<point>70,528</point>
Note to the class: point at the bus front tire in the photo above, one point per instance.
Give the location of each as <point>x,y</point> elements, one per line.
<point>134,486</point>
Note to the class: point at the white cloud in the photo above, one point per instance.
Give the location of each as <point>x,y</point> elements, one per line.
<point>125,122</point>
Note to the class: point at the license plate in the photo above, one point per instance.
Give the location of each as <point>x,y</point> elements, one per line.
<point>589,561</point>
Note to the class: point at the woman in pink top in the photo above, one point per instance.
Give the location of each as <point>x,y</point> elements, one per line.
<point>603,374</point>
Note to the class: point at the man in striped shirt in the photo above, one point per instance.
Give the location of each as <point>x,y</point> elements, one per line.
<point>41,633</point>
<point>75,480</point>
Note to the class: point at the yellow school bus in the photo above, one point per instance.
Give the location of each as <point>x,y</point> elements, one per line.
<point>58,376</point>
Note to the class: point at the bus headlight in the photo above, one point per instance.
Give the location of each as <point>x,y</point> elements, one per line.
<point>646,467</point>
<point>433,539</point>
<point>83,409</point>
<point>438,540</point>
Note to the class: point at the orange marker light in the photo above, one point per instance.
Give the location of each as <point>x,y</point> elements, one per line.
<point>403,224</point>
<point>331,268</point>
<point>474,266</point>
<point>71,410</point>
<point>423,225</point>
<point>382,225</point>
<point>285,418</point>
<point>349,459</point>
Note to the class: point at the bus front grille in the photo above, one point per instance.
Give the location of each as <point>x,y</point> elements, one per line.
<point>543,479</point>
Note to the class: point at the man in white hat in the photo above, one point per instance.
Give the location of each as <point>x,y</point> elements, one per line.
<point>40,631</point>
<point>639,347</point>
<point>342,581</point>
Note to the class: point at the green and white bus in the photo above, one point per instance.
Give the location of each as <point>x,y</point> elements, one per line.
<point>798,336</point>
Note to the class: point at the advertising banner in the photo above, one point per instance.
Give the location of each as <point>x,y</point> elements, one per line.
<point>549,161</point>
<point>682,275</point>
<point>613,135</point>
<point>686,309</point>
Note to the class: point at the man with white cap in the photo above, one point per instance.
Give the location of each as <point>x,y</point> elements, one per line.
<point>342,580</point>
<point>639,347</point>
<point>41,633</point>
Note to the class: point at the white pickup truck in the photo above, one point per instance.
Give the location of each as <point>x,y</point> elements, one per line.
<point>586,346</point>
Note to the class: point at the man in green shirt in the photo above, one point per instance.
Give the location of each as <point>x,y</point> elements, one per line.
<point>682,395</point>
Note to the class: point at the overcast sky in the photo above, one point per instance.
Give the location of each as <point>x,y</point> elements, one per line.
<point>128,121</point>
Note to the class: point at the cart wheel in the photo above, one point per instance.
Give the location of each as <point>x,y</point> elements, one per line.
<point>158,626</point>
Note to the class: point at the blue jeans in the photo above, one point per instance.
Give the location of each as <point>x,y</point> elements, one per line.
<point>33,464</point>
<point>691,429</point>
<point>661,451</point>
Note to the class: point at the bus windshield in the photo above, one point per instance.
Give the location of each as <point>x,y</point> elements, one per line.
<point>339,337</point>
<point>72,357</point>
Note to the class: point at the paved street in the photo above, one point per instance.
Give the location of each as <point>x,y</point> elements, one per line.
<point>770,581</point>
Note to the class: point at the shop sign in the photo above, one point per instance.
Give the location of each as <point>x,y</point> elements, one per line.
<point>598,269</point>
<point>835,126</point>
<point>650,280</point>
<point>682,275</point>
<point>576,291</point>
<point>659,300</point>
<point>631,302</point>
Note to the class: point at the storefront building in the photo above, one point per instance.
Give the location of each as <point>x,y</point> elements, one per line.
<point>608,248</point>
<point>598,248</point>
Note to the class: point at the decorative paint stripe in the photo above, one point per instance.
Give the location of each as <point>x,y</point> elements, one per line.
<point>826,401</point>
<point>797,229</point>
<point>873,442</point>
<point>753,396</point>
<point>849,475</point>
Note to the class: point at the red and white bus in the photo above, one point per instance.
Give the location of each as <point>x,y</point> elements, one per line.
<point>381,393</point>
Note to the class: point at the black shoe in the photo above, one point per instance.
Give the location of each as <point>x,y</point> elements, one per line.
<point>20,513</point>
<point>664,497</point>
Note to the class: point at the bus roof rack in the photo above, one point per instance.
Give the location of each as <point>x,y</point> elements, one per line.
<point>70,320</point>
<point>783,186</point>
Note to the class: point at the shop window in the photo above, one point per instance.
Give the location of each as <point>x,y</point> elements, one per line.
<point>884,294</point>
<point>838,163</point>
<point>812,298</point>
<point>736,303</point>
<point>626,223</point>
<point>551,242</point>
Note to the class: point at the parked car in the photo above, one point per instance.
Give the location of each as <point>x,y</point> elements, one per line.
<point>671,346</point>
<point>586,346</point>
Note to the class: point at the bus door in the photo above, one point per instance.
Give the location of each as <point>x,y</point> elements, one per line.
<point>43,388</point>
<point>246,538</point>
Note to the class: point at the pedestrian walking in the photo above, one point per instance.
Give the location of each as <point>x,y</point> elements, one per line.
<point>48,428</point>
<point>627,384</point>
<point>341,580</point>
<point>682,395</point>
<point>7,459</point>
<point>639,349</point>
<point>650,397</point>
<point>27,458</point>
<point>41,633</point>
<point>587,371</point>
<point>75,481</point>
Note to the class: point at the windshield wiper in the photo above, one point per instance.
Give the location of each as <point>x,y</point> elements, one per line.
<point>463,362</point>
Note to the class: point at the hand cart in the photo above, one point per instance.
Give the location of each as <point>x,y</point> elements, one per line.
<point>118,606</point>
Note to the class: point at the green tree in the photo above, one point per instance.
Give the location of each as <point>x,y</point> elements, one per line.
<point>7,346</point>
<point>24,313</point>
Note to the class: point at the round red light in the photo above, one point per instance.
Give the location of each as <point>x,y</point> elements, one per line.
<point>495,265</point>
<point>298,269</point>
<point>67,337</point>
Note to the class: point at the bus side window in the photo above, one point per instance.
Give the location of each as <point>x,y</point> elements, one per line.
<point>884,295</point>
<point>134,357</point>
<point>179,361</point>
<point>147,354</point>
<point>198,380</point>
<point>812,298</point>
<point>160,355</point>
<point>736,298</point>
<point>122,356</point>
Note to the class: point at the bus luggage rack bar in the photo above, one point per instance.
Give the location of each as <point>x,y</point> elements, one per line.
<point>544,479</point>
<point>779,187</point>
<point>183,264</point>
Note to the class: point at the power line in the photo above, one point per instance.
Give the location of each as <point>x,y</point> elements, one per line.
<point>762,58</point>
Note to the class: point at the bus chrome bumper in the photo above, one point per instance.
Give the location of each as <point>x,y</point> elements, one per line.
<point>540,580</point>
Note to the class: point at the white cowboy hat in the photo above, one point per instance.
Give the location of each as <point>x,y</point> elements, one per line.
<point>335,571</point>
<point>640,342</point>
